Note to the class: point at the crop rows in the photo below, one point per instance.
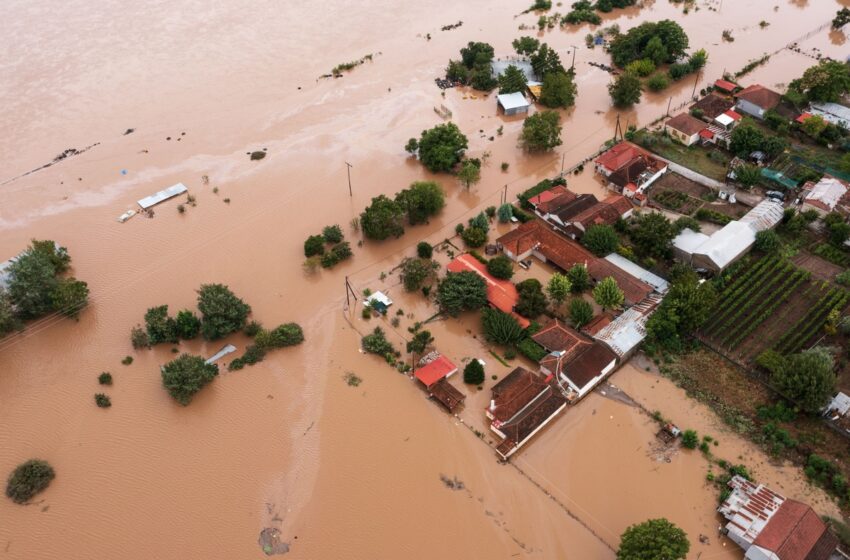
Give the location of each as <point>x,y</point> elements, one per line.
<point>763,311</point>
<point>745,291</point>
<point>797,335</point>
<point>753,269</point>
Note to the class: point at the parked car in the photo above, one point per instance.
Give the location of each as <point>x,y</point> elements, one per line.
<point>775,195</point>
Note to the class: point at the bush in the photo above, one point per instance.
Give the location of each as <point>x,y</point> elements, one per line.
<point>221,311</point>
<point>184,376</point>
<point>424,250</point>
<point>505,213</point>
<point>102,400</point>
<point>658,82</point>
<point>531,350</point>
<point>160,327</point>
<point>252,329</point>
<point>501,267</point>
<point>416,272</point>
<point>139,337</point>
<point>188,325</point>
<point>474,236</point>
<point>258,155</point>
<point>690,439</point>
<point>28,479</point>
<point>377,343</point>
<point>332,234</point>
<point>768,241</point>
<point>287,334</point>
<point>127,360</point>
<point>337,254</point>
<point>252,355</point>
<point>473,373</point>
<point>500,328</point>
<point>643,67</point>
<point>314,245</point>
<point>105,378</point>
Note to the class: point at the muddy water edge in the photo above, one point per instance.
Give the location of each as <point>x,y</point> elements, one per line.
<point>340,471</point>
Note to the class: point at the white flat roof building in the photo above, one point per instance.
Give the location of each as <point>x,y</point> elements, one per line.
<point>162,195</point>
<point>513,103</point>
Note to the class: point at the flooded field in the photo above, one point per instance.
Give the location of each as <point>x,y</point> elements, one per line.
<point>340,471</point>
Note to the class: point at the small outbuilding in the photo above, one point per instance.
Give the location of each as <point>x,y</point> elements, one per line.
<point>513,103</point>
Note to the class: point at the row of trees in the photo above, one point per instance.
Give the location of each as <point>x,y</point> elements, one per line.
<point>385,216</point>
<point>38,285</point>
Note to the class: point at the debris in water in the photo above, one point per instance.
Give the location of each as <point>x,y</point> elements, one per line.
<point>129,131</point>
<point>452,483</point>
<point>352,379</point>
<point>271,542</point>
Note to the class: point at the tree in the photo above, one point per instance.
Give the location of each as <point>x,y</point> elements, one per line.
<point>842,18</point>
<point>697,60</point>
<point>469,173</point>
<point>382,219</point>
<point>826,81</point>
<point>337,254</point>
<point>639,42</point>
<point>28,479</point>
<point>658,82</point>
<point>474,236</point>
<point>424,250</point>
<point>745,139</point>
<point>412,146</point>
<point>32,282</point>
<point>546,61</point>
<point>415,272</point>
<point>473,373</point>
<point>579,278</point>
<point>581,312</point>
<point>625,90</point>
<point>686,307</point>
<point>807,378</point>
<point>541,131</point>
<point>188,324</point>
<point>332,234</point>
<point>501,267</point>
<point>476,54</point>
<point>286,334</point>
<point>601,240</point>
<point>655,539</point>
<point>314,245</point>
<point>558,91</point>
<point>70,296</point>
<point>748,175</point>
<point>814,125</point>
<point>525,45</point>
<point>558,288</point>
<point>686,222</point>
<point>532,301</point>
<point>655,51</point>
<point>768,241</point>
<point>221,311</point>
<point>421,340</point>
<point>377,343</point>
<point>442,147</point>
<point>461,291</point>
<point>690,439</point>
<point>421,200</point>
<point>652,234</point>
<point>837,228</point>
<point>506,212</point>
<point>512,80</point>
<point>8,321</point>
<point>500,327</point>
<point>185,376</point>
<point>480,221</point>
<point>608,294</point>
<point>160,327</point>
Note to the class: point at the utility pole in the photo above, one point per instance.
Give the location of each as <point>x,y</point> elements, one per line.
<point>617,130</point>
<point>696,81</point>
<point>575,48</point>
<point>563,157</point>
<point>669,101</point>
<point>349,183</point>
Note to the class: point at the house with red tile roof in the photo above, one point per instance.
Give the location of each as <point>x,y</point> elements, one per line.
<point>606,212</point>
<point>769,526</point>
<point>580,369</point>
<point>555,336</point>
<point>522,404</point>
<point>725,85</point>
<point>548,195</point>
<point>712,105</point>
<point>436,369</point>
<point>627,163</point>
<point>555,204</point>
<point>756,100</point>
<point>434,374</point>
<point>501,294</point>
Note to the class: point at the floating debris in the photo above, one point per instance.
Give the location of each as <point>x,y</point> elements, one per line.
<point>452,483</point>
<point>271,543</point>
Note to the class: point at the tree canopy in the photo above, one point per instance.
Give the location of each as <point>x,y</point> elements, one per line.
<point>558,287</point>
<point>645,40</point>
<point>32,280</point>
<point>807,377</point>
<point>383,218</point>
<point>655,539</point>
<point>221,311</point>
<point>500,327</point>
<point>532,300</point>
<point>461,291</point>
<point>442,147</point>
<point>416,272</point>
<point>558,91</point>
<point>470,173</point>
<point>625,90</point>
<point>686,307</point>
<point>473,373</point>
<point>608,294</point>
<point>421,200</point>
<point>826,81</point>
<point>476,58</point>
<point>541,131</point>
<point>28,479</point>
<point>185,376</point>
<point>546,61</point>
<point>601,240</point>
<point>525,45</point>
<point>512,80</point>
<point>581,312</point>
<point>652,234</point>
<point>747,138</point>
<point>501,267</point>
<point>579,278</point>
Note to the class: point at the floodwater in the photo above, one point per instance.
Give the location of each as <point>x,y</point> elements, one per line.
<point>342,472</point>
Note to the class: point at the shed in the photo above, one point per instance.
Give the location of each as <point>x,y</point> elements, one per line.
<point>657,282</point>
<point>834,113</point>
<point>725,85</point>
<point>162,196</point>
<point>379,301</point>
<point>434,371</point>
<point>513,103</point>
<point>724,247</point>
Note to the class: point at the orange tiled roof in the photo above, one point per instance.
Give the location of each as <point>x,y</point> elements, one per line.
<point>501,294</point>
<point>619,155</point>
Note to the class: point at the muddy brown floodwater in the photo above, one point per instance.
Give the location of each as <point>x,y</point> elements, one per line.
<point>328,470</point>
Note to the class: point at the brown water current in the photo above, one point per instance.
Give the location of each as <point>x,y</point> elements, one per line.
<point>340,471</point>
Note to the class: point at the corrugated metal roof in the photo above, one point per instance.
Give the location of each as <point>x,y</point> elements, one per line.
<point>628,330</point>
<point>162,195</point>
<point>499,66</point>
<point>766,214</point>
<point>828,191</point>
<point>832,112</point>
<point>510,101</point>
<point>657,282</point>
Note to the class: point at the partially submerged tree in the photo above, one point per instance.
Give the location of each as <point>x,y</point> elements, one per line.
<point>501,267</point>
<point>500,327</point>
<point>541,131</point>
<point>221,311</point>
<point>625,90</point>
<point>558,90</point>
<point>188,324</point>
<point>28,479</point>
<point>473,373</point>
<point>160,327</point>
<point>512,80</point>
<point>415,273</point>
<point>184,376</point>
<point>421,200</point>
<point>532,301</point>
<point>442,147</point>
<point>470,173</point>
<point>461,291</point>
<point>655,539</point>
<point>525,45</point>
<point>382,219</point>
<point>421,340</point>
<point>70,296</point>
<point>665,41</point>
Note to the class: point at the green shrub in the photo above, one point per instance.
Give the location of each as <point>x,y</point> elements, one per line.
<point>252,329</point>
<point>424,250</point>
<point>474,236</point>
<point>139,337</point>
<point>658,82</point>
<point>332,234</point>
<point>643,67</point>
<point>314,245</point>
<point>28,479</point>
<point>188,325</point>
<point>160,327</point>
<point>338,253</point>
<point>186,375</point>
<point>690,439</point>
<point>257,155</point>
<point>287,334</point>
<point>221,311</point>
<point>102,400</point>
<point>105,378</point>
<point>531,350</point>
<point>473,373</point>
<point>501,267</point>
<point>127,360</point>
<point>377,343</point>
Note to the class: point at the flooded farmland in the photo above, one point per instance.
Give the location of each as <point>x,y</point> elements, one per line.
<point>339,471</point>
